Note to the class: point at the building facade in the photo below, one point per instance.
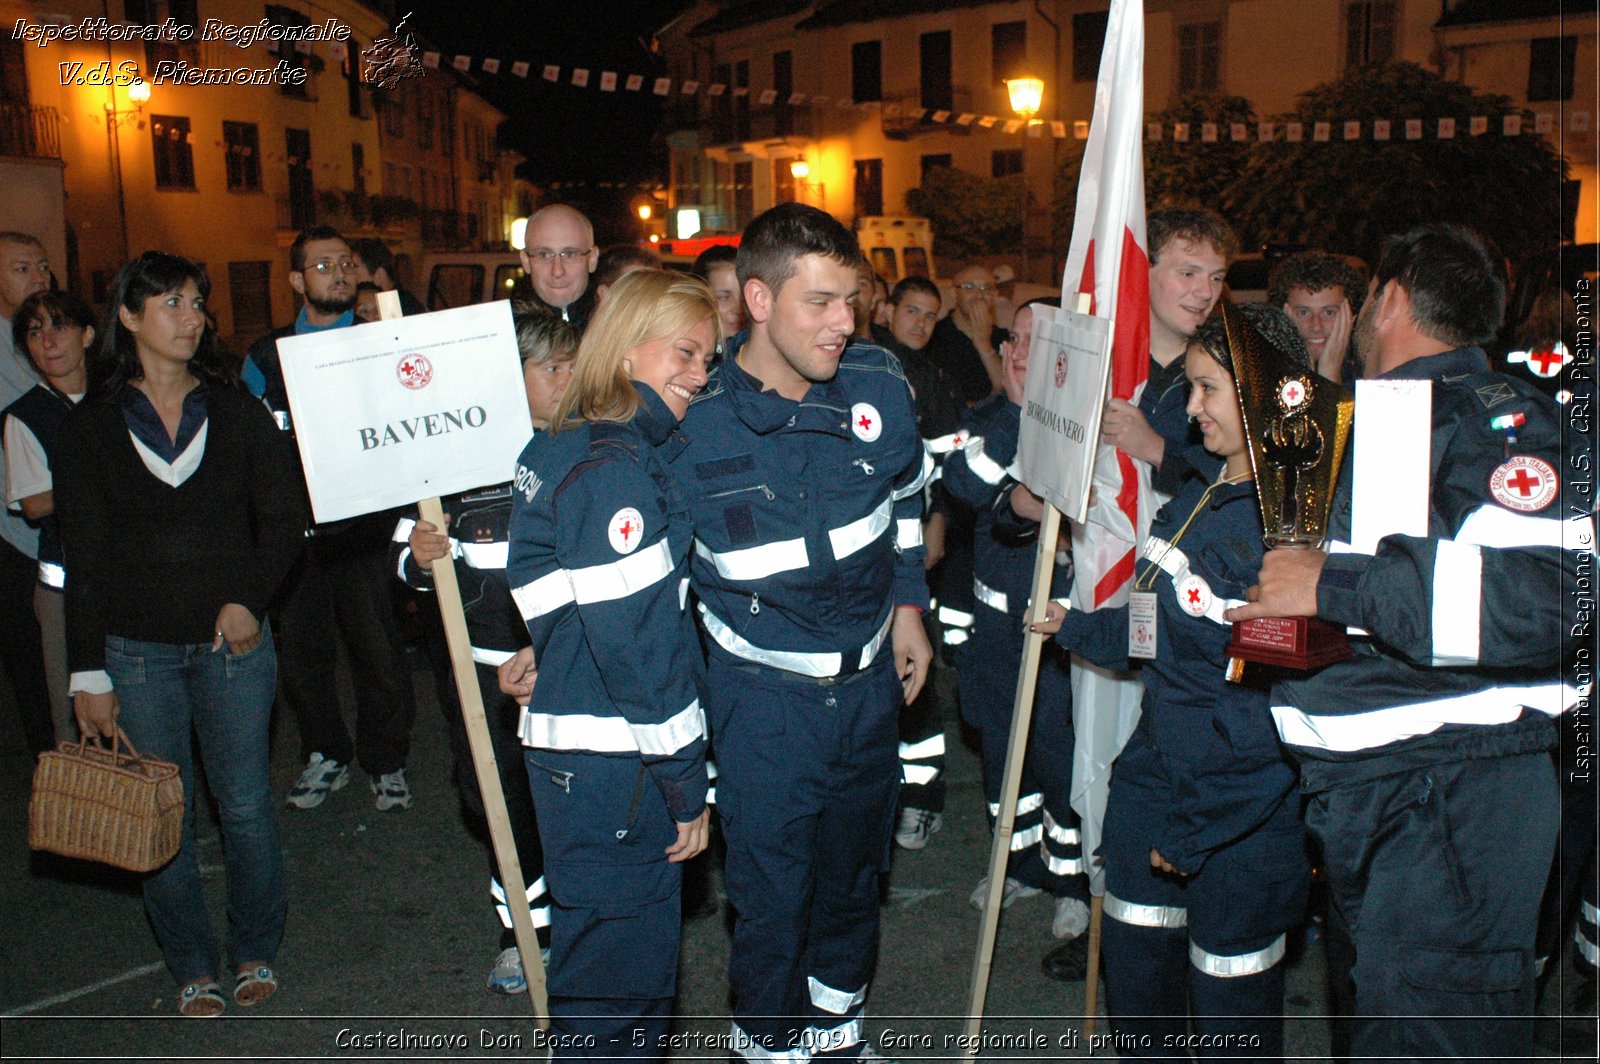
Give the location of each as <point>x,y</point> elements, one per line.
<point>242,141</point>
<point>866,95</point>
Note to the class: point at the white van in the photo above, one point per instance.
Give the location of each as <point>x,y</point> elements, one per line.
<point>897,247</point>
<point>461,278</point>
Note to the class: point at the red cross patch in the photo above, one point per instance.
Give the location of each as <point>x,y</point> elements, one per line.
<point>1524,483</point>
<point>865,422</point>
<point>1194,595</point>
<point>626,530</point>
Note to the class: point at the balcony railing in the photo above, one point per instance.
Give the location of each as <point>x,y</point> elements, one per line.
<point>29,132</point>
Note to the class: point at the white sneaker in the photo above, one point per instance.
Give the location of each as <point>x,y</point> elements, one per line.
<point>392,790</point>
<point>323,775</point>
<point>1009,892</point>
<point>506,977</point>
<point>1071,918</point>
<point>916,827</point>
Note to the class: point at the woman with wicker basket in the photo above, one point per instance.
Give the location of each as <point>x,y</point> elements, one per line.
<point>179,509</point>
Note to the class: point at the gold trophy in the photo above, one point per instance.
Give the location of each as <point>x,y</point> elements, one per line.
<point>1297,426</point>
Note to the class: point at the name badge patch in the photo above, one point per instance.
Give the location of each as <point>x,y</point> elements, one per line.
<point>1142,624</point>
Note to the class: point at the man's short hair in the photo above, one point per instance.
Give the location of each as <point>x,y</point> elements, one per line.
<point>915,284</point>
<point>1196,225</point>
<point>617,259</point>
<point>11,236</point>
<point>1455,278</point>
<point>297,250</point>
<point>779,237</point>
<point>1314,271</point>
<point>374,255</point>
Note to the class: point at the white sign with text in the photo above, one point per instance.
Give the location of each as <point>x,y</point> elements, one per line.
<point>1069,367</point>
<point>390,412</point>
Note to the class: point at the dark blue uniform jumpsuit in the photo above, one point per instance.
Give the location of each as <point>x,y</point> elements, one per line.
<point>1046,850</point>
<point>1203,781</point>
<point>808,537</point>
<point>615,732</point>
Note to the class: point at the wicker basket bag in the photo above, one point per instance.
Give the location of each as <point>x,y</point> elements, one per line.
<point>116,806</point>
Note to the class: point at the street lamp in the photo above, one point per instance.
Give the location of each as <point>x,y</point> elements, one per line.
<point>138,95</point>
<point>1027,94</point>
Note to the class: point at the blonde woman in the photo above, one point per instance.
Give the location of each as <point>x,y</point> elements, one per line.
<point>615,731</point>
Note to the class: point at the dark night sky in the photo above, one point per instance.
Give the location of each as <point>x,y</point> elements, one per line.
<point>566,132</point>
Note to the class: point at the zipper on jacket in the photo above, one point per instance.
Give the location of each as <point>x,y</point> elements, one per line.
<point>866,466</point>
<point>762,488</point>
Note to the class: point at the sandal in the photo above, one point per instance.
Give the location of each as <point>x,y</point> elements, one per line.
<point>201,1000</point>
<point>254,984</point>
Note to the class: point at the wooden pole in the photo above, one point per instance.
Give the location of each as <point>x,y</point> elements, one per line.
<point>448,591</point>
<point>1021,720</point>
<point>1091,988</point>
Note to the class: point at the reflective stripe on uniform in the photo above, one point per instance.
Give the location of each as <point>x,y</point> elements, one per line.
<point>950,441</point>
<point>908,490</point>
<point>818,664</point>
<point>52,575</point>
<point>1062,866</point>
<point>983,467</point>
<point>492,658</point>
<point>1457,586</point>
<point>917,775</point>
<point>1026,804</point>
<point>954,618</point>
<point>612,735</point>
<point>1495,526</point>
<point>908,533</point>
<point>932,746</point>
<point>594,583</point>
<point>859,533</point>
<point>1127,912</point>
<point>1241,964</point>
<point>991,597</point>
<point>1379,727</point>
<point>954,637</point>
<point>756,563</point>
<point>483,555</point>
<point>535,890</point>
<point>1175,563</point>
<point>1058,833</point>
<point>837,1002</point>
<point>1022,840</point>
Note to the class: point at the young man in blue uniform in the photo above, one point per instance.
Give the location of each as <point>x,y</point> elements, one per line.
<point>804,473</point>
<point>1045,846</point>
<point>1426,756</point>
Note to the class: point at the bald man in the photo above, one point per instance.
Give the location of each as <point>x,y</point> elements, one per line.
<point>558,256</point>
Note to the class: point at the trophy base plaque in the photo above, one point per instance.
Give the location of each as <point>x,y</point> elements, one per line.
<point>1301,643</point>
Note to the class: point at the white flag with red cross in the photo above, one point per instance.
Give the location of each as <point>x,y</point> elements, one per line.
<point>1107,260</point>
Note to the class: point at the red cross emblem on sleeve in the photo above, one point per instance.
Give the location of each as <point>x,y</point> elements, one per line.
<point>626,530</point>
<point>865,422</point>
<point>1194,595</point>
<point>1524,483</point>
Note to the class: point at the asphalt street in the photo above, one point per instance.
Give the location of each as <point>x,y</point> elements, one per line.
<point>391,933</point>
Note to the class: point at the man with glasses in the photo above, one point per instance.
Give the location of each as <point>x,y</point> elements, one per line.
<point>342,583</point>
<point>966,344</point>
<point>558,256</point>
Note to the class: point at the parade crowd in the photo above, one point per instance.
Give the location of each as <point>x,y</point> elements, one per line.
<point>760,500</point>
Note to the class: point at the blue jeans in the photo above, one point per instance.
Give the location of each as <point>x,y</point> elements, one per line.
<point>167,692</point>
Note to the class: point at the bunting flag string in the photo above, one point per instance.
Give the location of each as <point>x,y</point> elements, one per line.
<point>1265,131</point>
